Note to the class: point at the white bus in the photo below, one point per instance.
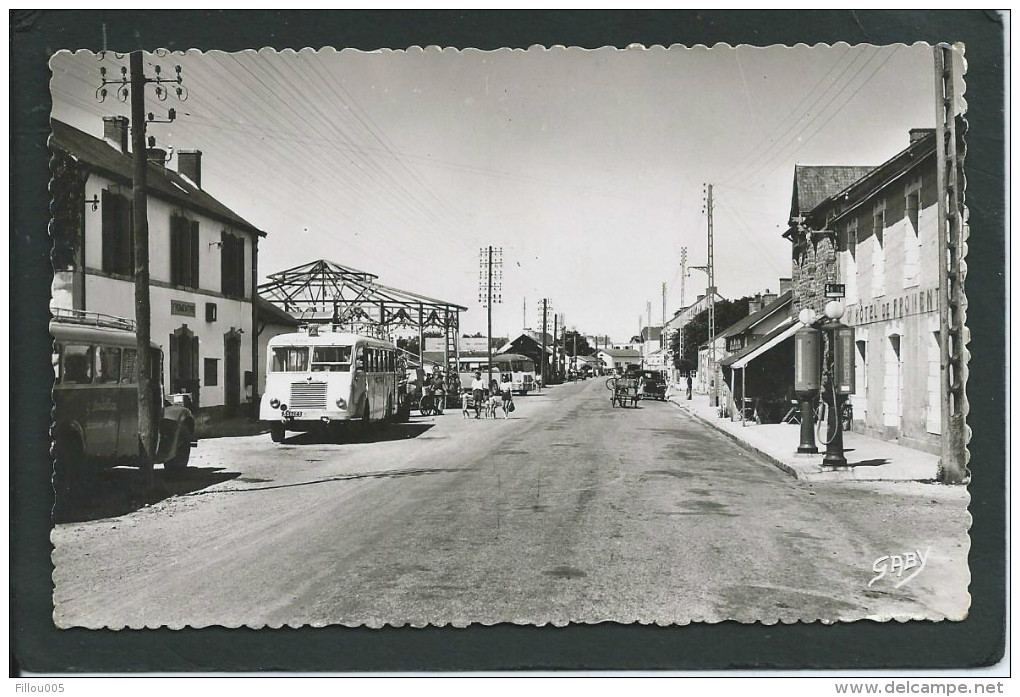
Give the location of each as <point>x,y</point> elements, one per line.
<point>521,368</point>
<point>321,379</point>
<point>470,364</point>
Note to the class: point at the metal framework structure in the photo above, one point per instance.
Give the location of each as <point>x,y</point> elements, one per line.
<point>325,292</point>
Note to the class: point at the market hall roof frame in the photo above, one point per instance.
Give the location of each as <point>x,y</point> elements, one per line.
<point>324,291</point>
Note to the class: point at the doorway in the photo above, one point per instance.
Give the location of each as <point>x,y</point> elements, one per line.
<point>184,364</point>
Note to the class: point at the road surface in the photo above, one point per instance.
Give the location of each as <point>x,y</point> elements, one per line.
<point>570,511</point>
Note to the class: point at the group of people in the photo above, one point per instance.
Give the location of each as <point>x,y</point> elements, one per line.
<point>500,395</point>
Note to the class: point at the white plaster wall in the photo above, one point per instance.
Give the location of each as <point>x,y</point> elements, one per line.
<point>159,213</point>
<point>115,296</point>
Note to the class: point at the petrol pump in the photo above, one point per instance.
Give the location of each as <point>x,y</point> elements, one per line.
<point>807,379</point>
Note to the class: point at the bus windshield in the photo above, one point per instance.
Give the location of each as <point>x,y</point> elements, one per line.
<point>522,366</point>
<point>331,359</point>
<point>290,359</point>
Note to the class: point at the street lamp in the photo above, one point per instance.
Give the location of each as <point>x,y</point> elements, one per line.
<point>839,380</point>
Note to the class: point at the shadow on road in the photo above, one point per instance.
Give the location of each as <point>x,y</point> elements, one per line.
<point>378,434</point>
<point>382,474</point>
<point>122,490</point>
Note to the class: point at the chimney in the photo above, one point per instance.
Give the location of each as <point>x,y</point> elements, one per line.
<point>785,284</point>
<point>156,156</point>
<point>115,132</point>
<point>755,304</point>
<point>917,134</point>
<point>189,164</point>
<point>767,297</point>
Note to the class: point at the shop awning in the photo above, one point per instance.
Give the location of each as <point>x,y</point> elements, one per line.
<point>747,354</point>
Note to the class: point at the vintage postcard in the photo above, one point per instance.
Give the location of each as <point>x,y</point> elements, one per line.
<point>659,335</point>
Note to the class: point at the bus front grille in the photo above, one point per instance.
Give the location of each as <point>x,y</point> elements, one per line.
<point>307,395</point>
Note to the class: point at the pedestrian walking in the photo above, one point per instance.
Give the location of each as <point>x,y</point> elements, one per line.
<point>508,396</point>
<point>478,393</point>
<point>690,386</point>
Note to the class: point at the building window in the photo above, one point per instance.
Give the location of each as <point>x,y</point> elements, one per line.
<point>911,237</point>
<point>878,250</point>
<point>183,251</point>
<point>232,265</point>
<point>211,373</point>
<point>118,237</point>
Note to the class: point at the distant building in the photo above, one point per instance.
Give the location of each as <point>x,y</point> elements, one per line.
<point>618,359</point>
<point>203,260</point>
<point>651,348</point>
<point>681,318</point>
<point>272,322</point>
<point>878,235</point>
<point>759,353</point>
<point>529,343</point>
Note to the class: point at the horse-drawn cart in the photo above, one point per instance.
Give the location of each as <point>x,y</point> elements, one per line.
<point>625,391</point>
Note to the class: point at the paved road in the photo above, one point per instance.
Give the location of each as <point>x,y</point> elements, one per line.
<point>570,511</point>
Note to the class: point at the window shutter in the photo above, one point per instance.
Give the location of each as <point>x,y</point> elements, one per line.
<point>175,253</point>
<point>109,232</point>
<point>194,267</point>
<point>239,246</point>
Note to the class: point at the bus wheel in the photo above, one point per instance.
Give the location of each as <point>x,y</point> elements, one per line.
<point>277,432</point>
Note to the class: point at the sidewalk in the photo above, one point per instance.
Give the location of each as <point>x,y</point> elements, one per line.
<point>869,459</point>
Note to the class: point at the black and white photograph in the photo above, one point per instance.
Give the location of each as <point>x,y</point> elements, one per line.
<point>441,337</point>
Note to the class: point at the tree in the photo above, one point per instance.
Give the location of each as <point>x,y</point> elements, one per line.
<point>695,332</point>
<point>583,348</point>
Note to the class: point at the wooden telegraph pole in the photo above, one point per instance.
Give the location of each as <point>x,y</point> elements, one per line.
<point>132,82</point>
<point>952,270</point>
<point>140,230</point>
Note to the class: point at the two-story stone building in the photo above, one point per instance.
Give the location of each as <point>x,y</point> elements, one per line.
<point>876,231</point>
<point>203,260</point>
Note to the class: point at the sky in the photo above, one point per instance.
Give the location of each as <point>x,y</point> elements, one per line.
<point>587,167</point>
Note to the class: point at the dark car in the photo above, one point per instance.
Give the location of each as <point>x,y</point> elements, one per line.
<point>652,384</point>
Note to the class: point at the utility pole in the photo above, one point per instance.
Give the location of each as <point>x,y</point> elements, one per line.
<point>545,320</point>
<point>683,296</point>
<point>140,223</point>
<point>556,359</point>
<point>491,274</point>
<point>709,208</point>
<point>134,86</point>
<point>662,329</point>
<point>952,237</point>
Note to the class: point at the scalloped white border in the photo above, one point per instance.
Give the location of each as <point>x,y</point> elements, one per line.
<point>769,620</point>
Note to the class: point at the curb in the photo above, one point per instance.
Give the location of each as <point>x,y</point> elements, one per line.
<point>771,459</point>
<point>807,474</point>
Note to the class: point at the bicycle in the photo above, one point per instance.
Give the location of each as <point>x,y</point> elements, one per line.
<point>431,403</point>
